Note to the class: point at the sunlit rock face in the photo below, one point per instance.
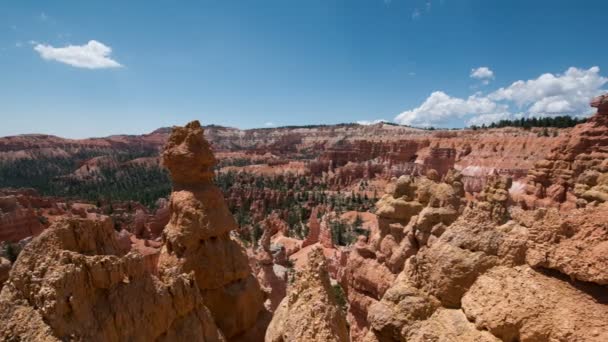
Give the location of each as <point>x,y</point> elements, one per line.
<point>500,273</point>
<point>575,173</point>
<point>76,282</point>
<point>310,311</point>
<point>197,238</point>
<point>413,214</point>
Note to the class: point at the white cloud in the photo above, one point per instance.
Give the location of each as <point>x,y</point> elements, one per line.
<point>370,122</point>
<point>439,107</point>
<point>548,94</point>
<point>560,94</point>
<point>43,16</point>
<point>93,55</point>
<point>482,73</point>
<point>269,124</point>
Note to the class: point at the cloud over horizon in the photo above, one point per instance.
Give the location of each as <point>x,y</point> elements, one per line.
<point>92,55</point>
<point>371,122</point>
<point>549,94</point>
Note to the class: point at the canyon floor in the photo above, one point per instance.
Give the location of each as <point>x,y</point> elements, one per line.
<point>316,233</point>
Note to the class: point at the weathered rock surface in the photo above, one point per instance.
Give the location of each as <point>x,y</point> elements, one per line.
<point>271,271</point>
<point>5,268</point>
<point>197,238</point>
<point>575,244</point>
<point>576,171</point>
<point>310,311</point>
<point>474,282</point>
<point>74,282</point>
<point>17,221</point>
<point>519,304</point>
<point>413,213</point>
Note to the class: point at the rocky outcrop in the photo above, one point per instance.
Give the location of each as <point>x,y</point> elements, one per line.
<point>521,304</point>
<point>150,226</point>
<point>576,171</point>
<point>501,274</point>
<point>310,312</point>
<point>325,238</point>
<point>271,270</point>
<point>5,268</point>
<point>413,213</point>
<point>74,282</point>
<point>198,239</point>
<point>17,221</point>
<point>575,243</point>
<point>440,160</point>
<point>435,278</point>
<point>314,228</point>
<point>361,150</point>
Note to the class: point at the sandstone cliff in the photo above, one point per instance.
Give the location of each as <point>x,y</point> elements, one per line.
<point>310,312</point>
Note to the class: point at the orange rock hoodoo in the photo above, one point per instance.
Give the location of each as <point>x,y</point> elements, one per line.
<point>197,238</point>
<point>79,281</point>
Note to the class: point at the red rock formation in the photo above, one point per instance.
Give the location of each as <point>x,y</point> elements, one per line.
<point>362,150</point>
<point>197,238</point>
<point>5,268</point>
<point>74,282</point>
<point>484,277</point>
<point>314,228</point>
<point>150,226</point>
<point>17,222</point>
<point>310,312</point>
<point>271,275</point>
<point>325,231</point>
<point>440,160</point>
<point>576,170</point>
<point>413,213</point>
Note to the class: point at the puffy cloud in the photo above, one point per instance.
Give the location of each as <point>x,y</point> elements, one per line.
<point>370,122</point>
<point>567,93</point>
<point>439,108</point>
<point>482,73</point>
<point>93,55</point>
<point>560,94</point>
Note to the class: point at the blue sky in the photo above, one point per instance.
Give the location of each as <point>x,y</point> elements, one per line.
<point>94,68</point>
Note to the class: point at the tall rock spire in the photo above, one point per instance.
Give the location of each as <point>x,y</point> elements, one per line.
<point>197,238</point>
